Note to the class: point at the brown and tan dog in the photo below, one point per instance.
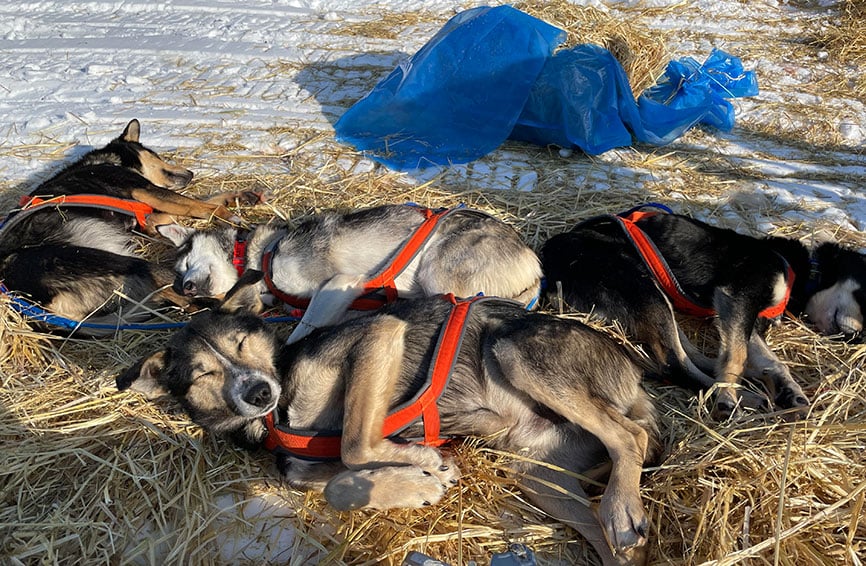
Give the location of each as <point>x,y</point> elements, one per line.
<point>562,395</point>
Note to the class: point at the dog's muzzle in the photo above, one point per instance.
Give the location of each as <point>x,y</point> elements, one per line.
<point>255,395</point>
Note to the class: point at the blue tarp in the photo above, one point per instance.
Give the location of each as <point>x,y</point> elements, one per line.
<point>491,74</point>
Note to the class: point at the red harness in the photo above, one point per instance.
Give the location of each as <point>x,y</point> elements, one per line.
<point>381,289</point>
<point>664,275</point>
<point>325,445</point>
<point>134,208</point>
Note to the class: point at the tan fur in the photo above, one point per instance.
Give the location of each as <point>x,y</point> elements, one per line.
<point>554,391</point>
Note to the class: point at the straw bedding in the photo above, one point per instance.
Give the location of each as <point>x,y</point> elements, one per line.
<point>90,475</point>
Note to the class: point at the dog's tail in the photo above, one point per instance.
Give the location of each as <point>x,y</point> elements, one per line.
<point>679,361</point>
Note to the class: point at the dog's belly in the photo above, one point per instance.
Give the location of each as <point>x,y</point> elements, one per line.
<point>99,234</point>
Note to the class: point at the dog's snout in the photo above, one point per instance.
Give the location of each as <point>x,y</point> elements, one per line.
<point>190,289</point>
<point>259,395</point>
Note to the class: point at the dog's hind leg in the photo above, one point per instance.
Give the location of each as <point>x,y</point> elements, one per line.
<point>382,473</point>
<point>561,496</point>
<point>573,380</point>
<point>328,304</point>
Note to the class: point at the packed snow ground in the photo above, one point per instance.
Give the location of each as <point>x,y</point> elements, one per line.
<point>264,77</point>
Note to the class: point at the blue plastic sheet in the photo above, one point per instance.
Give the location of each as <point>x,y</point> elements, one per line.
<point>491,74</point>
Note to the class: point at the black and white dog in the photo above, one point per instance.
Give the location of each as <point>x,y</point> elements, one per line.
<point>746,282</point>
<point>331,260</point>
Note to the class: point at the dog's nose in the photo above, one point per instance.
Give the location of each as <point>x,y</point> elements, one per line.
<point>190,289</point>
<point>259,395</point>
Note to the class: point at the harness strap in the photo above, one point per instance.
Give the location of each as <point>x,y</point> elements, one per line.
<point>663,274</point>
<point>325,445</point>
<point>134,208</point>
<point>657,265</point>
<point>384,281</point>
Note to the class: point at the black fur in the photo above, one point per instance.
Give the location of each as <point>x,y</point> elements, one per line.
<point>596,268</point>
<point>71,260</point>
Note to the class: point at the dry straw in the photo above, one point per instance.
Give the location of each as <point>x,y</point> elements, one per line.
<point>93,476</point>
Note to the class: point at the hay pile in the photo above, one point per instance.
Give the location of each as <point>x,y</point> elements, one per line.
<point>93,476</point>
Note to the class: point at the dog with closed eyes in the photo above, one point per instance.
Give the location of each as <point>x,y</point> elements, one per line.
<point>69,246</point>
<point>333,261</point>
<point>636,269</point>
<point>343,407</point>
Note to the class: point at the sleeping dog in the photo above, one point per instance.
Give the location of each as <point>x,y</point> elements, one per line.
<point>69,247</point>
<point>330,260</point>
<point>551,389</point>
<point>746,282</point>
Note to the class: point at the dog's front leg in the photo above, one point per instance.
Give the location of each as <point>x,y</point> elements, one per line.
<point>329,304</point>
<point>786,393</point>
<point>382,473</point>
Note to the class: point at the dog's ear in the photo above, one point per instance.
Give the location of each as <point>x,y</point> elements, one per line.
<point>244,296</point>
<point>143,376</point>
<point>131,132</point>
<point>176,233</point>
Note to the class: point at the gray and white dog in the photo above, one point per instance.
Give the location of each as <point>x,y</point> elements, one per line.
<point>330,259</point>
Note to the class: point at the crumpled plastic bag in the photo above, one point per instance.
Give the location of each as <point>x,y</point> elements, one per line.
<point>491,74</point>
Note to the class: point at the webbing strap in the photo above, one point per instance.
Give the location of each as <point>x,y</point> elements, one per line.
<point>660,269</point>
<point>662,272</point>
<point>382,282</point>
<point>127,206</point>
<point>325,445</point>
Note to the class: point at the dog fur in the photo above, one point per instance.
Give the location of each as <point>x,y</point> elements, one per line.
<point>595,267</point>
<point>79,262</point>
<point>330,256</point>
<point>548,388</point>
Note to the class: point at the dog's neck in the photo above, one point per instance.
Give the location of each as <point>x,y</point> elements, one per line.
<point>807,266</point>
<point>258,240</point>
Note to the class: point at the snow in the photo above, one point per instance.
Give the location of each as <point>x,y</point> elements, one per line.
<point>74,72</point>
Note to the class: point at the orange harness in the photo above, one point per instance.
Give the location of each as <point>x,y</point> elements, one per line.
<point>325,445</point>
<point>136,209</point>
<point>382,288</point>
<point>668,282</point>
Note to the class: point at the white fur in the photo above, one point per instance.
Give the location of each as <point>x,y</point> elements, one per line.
<point>95,233</point>
<point>206,261</point>
<point>835,309</point>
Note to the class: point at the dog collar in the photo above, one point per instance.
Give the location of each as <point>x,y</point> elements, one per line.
<point>815,276</point>
<point>239,251</point>
<point>325,445</point>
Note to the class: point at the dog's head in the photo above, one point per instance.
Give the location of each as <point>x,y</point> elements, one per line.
<point>838,305</point>
<point>203,265</point>
<point>220,367</point>
<point>126,151</point>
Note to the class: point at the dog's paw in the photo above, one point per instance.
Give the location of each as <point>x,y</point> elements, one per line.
<point>794,402</point>
<point>385,488</point>
<point>447,472</point>
<point>249,198</point>
<point>723,409</point>
<point>623,520</point>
